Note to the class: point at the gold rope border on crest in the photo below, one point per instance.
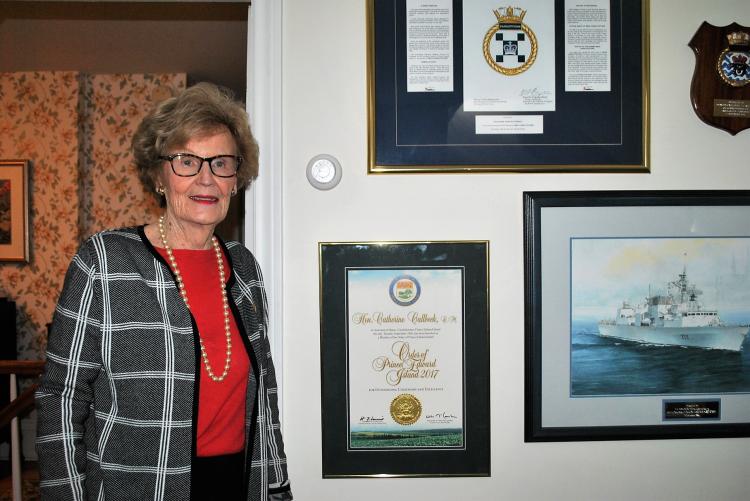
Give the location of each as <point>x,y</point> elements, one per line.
<point>509,71</point>
<point>720,70</point>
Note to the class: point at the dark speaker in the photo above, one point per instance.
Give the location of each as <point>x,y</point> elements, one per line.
<point>7,352</point>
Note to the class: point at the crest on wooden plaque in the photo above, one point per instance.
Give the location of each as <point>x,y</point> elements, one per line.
<point>720,91</point>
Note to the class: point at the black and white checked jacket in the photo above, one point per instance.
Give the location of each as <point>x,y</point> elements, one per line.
<point>117,406</point>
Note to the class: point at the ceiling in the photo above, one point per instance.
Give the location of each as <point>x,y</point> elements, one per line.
<point>206,40</point>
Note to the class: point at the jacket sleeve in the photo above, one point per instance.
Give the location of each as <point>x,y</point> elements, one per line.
<point>268,416</point>
<point>65,394</point>
<point>278,479</point>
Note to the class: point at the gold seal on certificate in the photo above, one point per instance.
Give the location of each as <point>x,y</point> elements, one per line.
<point>510,46</point>
<point>406,409</point>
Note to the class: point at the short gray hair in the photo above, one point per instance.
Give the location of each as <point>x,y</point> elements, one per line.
<point>196,111</point>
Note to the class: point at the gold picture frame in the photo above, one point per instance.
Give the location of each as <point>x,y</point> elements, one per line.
<point>14,210</point>
<point>432,131</point>
<point>383,416</point>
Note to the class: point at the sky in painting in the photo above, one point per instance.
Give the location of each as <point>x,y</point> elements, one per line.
<point>607,271</point>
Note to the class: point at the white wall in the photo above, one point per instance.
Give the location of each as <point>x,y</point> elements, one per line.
<point>324,100</point>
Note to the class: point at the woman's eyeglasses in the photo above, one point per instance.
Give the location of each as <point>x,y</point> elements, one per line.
<point>187,165</point>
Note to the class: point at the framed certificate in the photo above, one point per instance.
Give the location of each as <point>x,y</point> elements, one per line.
<point>544,85</point>
<point>637,315</point>
<point>405,358</point>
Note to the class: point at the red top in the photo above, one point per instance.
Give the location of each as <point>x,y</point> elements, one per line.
<point>221,405</point>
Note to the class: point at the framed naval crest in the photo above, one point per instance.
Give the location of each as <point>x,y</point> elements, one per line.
<point>405,359</point>
<point>522,86</point>
<point>637,315</point>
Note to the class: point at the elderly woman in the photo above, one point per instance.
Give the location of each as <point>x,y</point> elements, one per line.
<point>159,381</point>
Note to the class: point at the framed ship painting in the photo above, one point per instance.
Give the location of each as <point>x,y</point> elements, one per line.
<point>637,315</point>
<point>14,210</point>
<point>405,359</point>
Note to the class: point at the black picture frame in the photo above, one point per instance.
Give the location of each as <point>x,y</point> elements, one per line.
<point>572,371</point>
<point>472,456</point>
<point>429,132</point>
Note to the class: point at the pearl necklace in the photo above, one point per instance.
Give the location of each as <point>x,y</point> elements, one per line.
<point>225,303</point>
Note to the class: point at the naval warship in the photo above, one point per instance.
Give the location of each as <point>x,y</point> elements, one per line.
<point>676,318</point>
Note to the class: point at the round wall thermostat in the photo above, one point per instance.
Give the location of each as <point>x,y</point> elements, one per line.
<point>323,171</point>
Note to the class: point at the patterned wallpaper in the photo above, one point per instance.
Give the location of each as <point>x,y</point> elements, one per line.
<point>38,121</point>
<point>112,107</point>
<point>76,130</point>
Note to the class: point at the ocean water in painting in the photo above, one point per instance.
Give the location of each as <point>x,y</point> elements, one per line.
<point>605,366</point>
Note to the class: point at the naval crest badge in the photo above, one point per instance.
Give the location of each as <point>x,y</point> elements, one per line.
<point>510,46</point>
<point>720,89</point>
<point>734,61</point>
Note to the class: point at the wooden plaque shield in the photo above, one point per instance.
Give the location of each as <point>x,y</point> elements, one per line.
<point>720,90</point>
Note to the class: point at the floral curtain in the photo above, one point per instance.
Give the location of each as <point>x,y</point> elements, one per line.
<point>39,122</point>
<point>76,130</point>
<point>112,108</point>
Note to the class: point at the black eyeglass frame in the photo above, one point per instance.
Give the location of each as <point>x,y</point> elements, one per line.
<point>169,158</point>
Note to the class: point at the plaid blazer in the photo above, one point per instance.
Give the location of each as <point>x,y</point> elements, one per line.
<point>117,405</point>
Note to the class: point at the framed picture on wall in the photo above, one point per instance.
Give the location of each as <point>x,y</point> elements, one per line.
<point>539,86</point>
<point>14,210</point>
<point>637,315</point>
<point>405,359</point>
